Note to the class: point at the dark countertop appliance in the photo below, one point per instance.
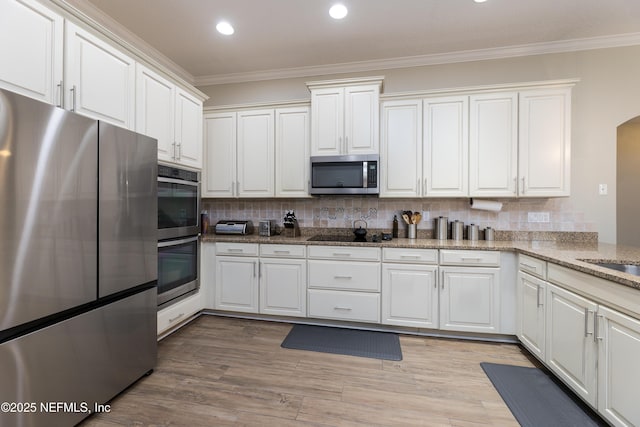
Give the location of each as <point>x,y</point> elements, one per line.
<point>78,269</point>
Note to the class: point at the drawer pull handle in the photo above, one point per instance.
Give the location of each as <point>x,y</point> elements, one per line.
<point>410,256</point>
<point>343,277</point>
<point>235,250</point>
<point>341,254</point>
<point>282,252</point>
<point>343,308</point>
<point>471,258</point>
<point>529,266</point>
<point>586,322</point>
<point>176,318</point>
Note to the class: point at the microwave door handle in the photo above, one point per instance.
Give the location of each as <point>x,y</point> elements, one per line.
<point>365,174</point>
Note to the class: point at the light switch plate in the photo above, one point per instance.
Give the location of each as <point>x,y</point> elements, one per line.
<point>603,189</point>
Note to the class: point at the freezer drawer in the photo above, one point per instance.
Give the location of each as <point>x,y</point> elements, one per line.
<point>81,361</point>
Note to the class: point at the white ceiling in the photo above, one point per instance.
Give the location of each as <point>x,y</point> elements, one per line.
<point>297,37</point>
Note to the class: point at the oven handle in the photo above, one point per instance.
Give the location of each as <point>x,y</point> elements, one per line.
<point>177,242</point>
<point>177,181</point>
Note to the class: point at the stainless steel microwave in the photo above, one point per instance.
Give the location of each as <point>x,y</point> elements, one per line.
<point>355,174</point>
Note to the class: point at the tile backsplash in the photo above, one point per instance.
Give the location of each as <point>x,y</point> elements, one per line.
<point>341,212</point>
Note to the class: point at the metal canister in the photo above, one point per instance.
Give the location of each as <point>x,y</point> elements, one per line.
<point>489,233</point>
<point>457,230</point>
<point>441,228</point>
<point>472,232</point>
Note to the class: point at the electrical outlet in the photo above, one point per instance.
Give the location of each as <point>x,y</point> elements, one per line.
<point>538,217</point>
<point>603,189</point>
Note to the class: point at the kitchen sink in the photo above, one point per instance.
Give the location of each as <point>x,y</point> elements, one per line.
<point>618,266</point>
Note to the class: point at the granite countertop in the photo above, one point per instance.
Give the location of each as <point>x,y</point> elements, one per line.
<point>568,254</point>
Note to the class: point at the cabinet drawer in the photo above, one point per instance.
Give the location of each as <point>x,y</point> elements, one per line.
<point>457,257</point>
<point>179,312</point>
<point>342,305</point>
<point>414,256</point>
<point>353,276</point>
<point>283,251</point>
<point>237,249</point>
<point>532,266</point>
<point>344,253</point>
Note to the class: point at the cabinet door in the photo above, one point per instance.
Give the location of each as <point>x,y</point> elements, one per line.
<point>188,129</point>
<point>155,110</point>
<point>292,152</point>
<point>256,153</point>
<point>618,369</point>
<point>493,145</point>
<point>545,142</point>
<point>99,79</point>
<point>401,149</point>
<point>236,284</point>
<point>361,119</point>
<point>570,345</point>
<point>219,172</point>
<point>470,299</point>
<point>31,43</point>
<point>446,152</point>
<point>531,313</point>
<point>410,295</point>
<point>327,122</point>
<point>283,287</point>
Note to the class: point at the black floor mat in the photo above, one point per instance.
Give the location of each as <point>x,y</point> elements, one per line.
<point>536,399</point>
<point>353,342</point>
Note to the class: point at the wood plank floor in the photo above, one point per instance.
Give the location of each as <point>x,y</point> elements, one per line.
<point>221,371</point>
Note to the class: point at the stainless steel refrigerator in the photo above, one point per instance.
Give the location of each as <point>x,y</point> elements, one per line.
<point>78,262</point>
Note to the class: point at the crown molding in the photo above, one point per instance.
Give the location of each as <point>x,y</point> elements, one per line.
<point>91,17</point>
<point>575,45</point>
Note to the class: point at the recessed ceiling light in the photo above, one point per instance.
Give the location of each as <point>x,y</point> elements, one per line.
<point>225,28</point>
<point>479,1</point>
<point>338,11</point>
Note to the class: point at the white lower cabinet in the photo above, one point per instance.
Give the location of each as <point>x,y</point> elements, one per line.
<point>591,347</point>
<point>618,339</point>
<point>283,280</point>
<point>571,346</point>
<point>470,299</point>
<point>343,289</point>
<point>410,288</point>
<point>410,295</point>
<point>236,277</point>
<point>531,318</point>
<point>470,291</point>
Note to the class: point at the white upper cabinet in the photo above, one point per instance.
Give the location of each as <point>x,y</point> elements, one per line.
<point>255,153</point>
<point>155,112</point>
<point>446,147</point>
<point>219,172</point>
<point>292,152</point>
<point>99,79</point>
<point>188,130</point>
<point>172,116</point>
<point>401,148</point>
<point>31,48</point>
<point>493,144</point>
<point>345,116</point>
<point>545,142</point>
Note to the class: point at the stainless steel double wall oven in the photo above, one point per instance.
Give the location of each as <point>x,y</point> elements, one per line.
<point>178,231</point>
